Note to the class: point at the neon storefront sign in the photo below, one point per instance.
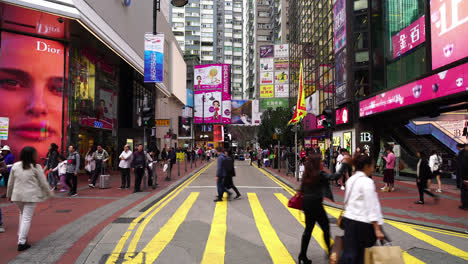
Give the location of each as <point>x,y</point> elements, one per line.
<point>410,37</point>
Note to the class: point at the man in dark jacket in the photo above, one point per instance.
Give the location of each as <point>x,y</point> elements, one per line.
<point>220,174</point>
<point>172,158</point>
<point>461,151</point>
<point>464,178</point>
<point>423,173</point>
<point>138,167</point>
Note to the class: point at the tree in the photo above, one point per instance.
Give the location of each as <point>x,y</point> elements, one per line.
<point>276,120</point>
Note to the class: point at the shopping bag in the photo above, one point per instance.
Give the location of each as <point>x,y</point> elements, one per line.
<point>383,255</point>
<point>296,201</point>
<point>165,167</point>
<point>336,250</point>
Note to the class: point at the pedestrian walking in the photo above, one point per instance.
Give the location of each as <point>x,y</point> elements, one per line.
<point>362,218</point>
<point>435,163</point>
<point>90,162</point>
<point>61,170</point>
<point>101,159</point>
<point>345,168</point>
<point>314,186</point>
<point>423,173</point>
<point>9,160</point>
<point>26,188</point>
<point>459,164</point>
<point>164,154</point>
<point>138,167</point>
<point>52,162</point>
<point>172,158</point>
<point>464,178</point>
<point>220,175</point>
<point>230,172</point>
<point>124,166</point>
<point>73,167</point>
<point>151,159</point>
<point>389,171</point>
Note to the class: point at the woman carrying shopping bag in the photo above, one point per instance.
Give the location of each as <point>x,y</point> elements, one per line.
<point>362,218</point>
<point>27,186</point>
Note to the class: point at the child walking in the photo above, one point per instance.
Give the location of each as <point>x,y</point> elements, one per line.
<point>62,171</point>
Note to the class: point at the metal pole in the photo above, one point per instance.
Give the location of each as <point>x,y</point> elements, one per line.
<point>295,155</point>
<point>185,156</point>
<point>279,157</point>
<point>156,8</point>
<point>178,167</point>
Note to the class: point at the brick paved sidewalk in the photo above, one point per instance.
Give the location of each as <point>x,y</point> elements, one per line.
<point>102,206</point>
<point>399,205</point>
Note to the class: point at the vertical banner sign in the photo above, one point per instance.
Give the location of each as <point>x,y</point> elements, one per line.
<point>154,58</point>
<point>4,128</point>
<point>226,95</point>
<point>339,20</point>
<point>256,118</point>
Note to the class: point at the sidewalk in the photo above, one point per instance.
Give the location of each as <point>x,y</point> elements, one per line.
<point>399,205</point>
<point>104,205</point>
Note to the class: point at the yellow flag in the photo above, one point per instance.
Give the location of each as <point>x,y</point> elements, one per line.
<point>300,112</point>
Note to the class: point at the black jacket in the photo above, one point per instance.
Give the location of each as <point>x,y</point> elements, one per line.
<point>228,166</point>
<point>424,171</point>
<point>316,192</point>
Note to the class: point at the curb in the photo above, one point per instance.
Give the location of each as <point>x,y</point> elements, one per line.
<point>389,217</point>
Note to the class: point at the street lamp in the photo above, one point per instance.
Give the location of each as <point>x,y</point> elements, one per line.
<point>157,8</point>
<point>179,3</point>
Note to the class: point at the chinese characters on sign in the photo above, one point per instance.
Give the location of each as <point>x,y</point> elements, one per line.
<point>409,38</point>
<point>267,91</point>
<point>163,122</point>
<point>339,11</point>
<point>342,116</point>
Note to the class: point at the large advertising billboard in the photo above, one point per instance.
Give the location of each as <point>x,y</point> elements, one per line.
<point>31,76</point>
<point>154,58</point>
<point>208,76</point>
<point>266,64</point>
<point>452,81</point>
<point>267,78</point>
<point>241,112</point>
<point>267,51</point>
<point>282,90</point>
<point>282,50</point>
<point>208,106</point>
<point>410,37</point>
<point>281,77</point>
<point>339,21</point>
<point>274,103</point>
<point>267,91</point>
<point>449,28</point>
<point>281,64</point>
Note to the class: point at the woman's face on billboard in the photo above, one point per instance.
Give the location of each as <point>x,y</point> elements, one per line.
<point>31,76</point>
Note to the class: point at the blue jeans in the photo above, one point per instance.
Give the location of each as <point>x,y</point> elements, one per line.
<point>221,188</point>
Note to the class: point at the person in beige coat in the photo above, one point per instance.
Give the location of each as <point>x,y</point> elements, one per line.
<point>26,187</point>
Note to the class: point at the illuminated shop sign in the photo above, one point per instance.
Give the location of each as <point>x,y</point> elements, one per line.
<point>342,116</point>
<point>410,37</point>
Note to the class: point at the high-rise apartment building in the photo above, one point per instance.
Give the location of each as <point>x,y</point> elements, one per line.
<point>213,30</point>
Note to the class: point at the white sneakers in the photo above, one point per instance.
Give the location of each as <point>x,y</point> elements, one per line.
<point>342,188</point>
<point>2,230</point>
<point>439,190</point>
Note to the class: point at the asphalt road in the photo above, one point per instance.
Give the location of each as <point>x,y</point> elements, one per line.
<point>186,226</point>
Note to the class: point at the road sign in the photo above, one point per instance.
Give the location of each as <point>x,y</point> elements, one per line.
<point>163,122</point>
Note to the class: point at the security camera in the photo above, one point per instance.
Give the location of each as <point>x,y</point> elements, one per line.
<point>60,20</point>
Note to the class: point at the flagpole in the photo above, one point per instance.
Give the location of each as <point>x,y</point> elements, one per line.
<point>295,150</point>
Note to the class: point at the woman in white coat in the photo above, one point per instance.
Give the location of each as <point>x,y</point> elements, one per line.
<point>26,187</point>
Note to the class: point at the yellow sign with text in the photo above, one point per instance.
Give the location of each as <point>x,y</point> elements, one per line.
<point>163,122</point>
<point>267,91</point>
<point>180,156</point>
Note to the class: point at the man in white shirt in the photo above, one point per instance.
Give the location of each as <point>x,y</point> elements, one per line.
<point>124,165</point>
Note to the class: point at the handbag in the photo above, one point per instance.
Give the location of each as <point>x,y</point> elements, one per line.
<point>339,221</point>
<point>296,201</point>
<point>383,254</point>
<point>336,250</point>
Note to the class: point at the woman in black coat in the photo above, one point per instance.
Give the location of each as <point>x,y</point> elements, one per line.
<point>423,173</point>
<point>315,185</point>
<point>228,165</point>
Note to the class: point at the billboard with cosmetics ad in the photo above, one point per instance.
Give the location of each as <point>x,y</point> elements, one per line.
<point>31,76</point>
<point>209,76</point>
<point>410,37</point>
<point>208,106</point>
<point>452,81</point>
<point>449,28</point>
<point>339,22</point>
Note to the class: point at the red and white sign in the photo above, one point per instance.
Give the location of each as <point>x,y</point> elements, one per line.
<point>452,81</point>
<point>320,120</point>
<point>282,90</point>
<point>267,77</point>
<point>409,38</point>
<point>282,50</point>
<point>342,116</point>
<point>449,28</point>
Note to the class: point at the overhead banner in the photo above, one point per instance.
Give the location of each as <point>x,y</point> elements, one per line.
<point>281,90</point>
<point>267,78</point>
<point>282,50</point>
<point>266,64</point>
<point>154,58</point>
<point>267,91</point>
<point>208,106</point>
<point>189,97</point>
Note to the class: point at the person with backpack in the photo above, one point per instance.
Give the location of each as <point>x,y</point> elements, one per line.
<point>73,167</point>
<point>435,163</point>
<point>139,164</point>
<point>52,162</point>
<point>101,159</point>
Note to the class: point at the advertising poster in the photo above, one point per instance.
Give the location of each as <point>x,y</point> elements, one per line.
<point>256,114</point>
<point>105,111</point>
<point>340,72</point>
<point>281,77</point>
<point>207,106</point>
<point>267,78</point>
<point>281,50</point>
<point>312,104</point>
<point>281,64</point>
<point>281,90</point>
<point>267,91</point>
<point>226,104</point>
<point>452,81</point>
<point>4,121</point>
<point>274,103</point>
<point>320,121</point>
<point>348,141</point>
<point>31,91</point>
<point>266,64</point>
<point>307,142</point>
<point>342,116</point>
<point>339,22</point>
<point>209,76</point>
<point>410,37</point>
<point>189,98</point>
<point>449,22</point>
<point>267,51</point>
<point>185,128</point>
<point>227,119</point>
<point>154,58</point>
<point>309,122</point>
<point>218,133</point>
<point>241,112</point>
<point>337,141</point>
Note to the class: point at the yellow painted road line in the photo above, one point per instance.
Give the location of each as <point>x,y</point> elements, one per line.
<point>408,259</point>
<point>215,249</point>
<point>120,245</point>
<point>432,241</point>
<point>278,252</point>
<point>431,229</point>
<point>154,248</point>
<point>317,232</point>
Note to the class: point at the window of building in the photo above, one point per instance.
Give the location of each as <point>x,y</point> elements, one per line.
<point>263,14</point>
<point>178,33</point>
<point>207,53</point>
<point>227,47</point>
<point>237,49</point>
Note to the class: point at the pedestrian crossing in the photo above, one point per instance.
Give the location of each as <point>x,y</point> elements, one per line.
<point>136,245</point>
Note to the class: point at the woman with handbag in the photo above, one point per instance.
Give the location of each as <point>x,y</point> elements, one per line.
<point>314,186</point>
<point>362,218</point>
<point>27,187</point>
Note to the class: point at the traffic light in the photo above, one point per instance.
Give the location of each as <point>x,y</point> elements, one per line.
<point>329,121</point>
<point>227,138</point>
<point>147,116</point>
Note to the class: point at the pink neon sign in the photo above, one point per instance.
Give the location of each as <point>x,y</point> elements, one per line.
<point>449,28</point>
<point>452,81</point>
<point>410,37</point>
<point>342,115</point>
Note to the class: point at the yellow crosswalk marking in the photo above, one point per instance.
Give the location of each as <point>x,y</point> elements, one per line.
<point>215,247</point>
<point>278,252</point>
<point>317,232</point>
<point>120,245</point>
<point>166,233</point>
